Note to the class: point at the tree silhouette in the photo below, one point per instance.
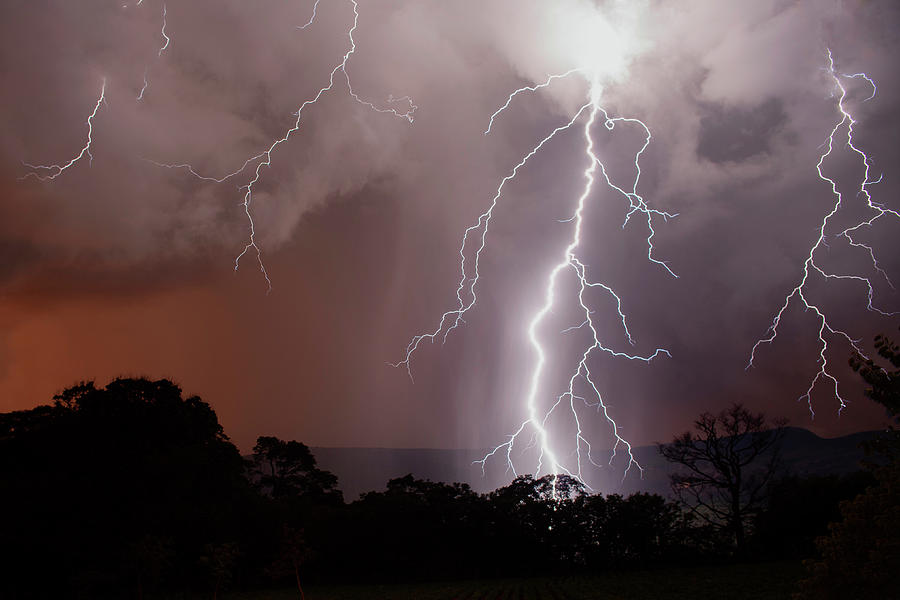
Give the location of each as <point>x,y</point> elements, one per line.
<point>89,482</point>
<point>538,517</point>
<point>152,557</point>
<point>884,389</point>
<point>429,528</point>
<point>884,382</point>
<point>642,528</point>
<point>287,469</point>
<point>860,556</point>
<point>218,560</point>
<point>136,488</point>
<point>293,553</point>
<point>799,509</point>
<point>728,462</point>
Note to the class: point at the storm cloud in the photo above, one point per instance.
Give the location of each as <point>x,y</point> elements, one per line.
<point>121,266</point>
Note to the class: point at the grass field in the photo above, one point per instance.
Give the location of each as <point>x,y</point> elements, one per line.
<point>769,581</point>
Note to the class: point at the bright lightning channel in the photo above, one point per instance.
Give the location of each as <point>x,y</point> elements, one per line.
<point>264,158</point>
<point>312,17</point>
<point>846,121</point>
<point>50,172</point>
<point>163,33</point>
<point>140,96</point>
<point>536,421</point>
<point>158,54</point>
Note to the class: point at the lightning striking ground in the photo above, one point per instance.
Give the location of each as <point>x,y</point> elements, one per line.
<point>538,415</point>
<point>50,172</point>
<point>876,210</point>
<point>406,109</point>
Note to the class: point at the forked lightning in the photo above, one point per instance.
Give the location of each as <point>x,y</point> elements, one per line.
<point>875,210</point>
<point>538,407</point>
<point>264,159</point>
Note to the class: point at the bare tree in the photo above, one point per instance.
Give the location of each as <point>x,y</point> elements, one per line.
<point>728,462</point>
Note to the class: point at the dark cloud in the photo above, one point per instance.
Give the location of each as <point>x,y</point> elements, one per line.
<point>123,267</point>
<point>735,134</point>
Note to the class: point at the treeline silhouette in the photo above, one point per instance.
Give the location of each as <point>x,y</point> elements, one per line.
<point>132,490</point>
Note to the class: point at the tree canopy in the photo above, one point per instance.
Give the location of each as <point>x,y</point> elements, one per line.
<point>115,484</point>
<point>133,489</point>
<point>287,470</point>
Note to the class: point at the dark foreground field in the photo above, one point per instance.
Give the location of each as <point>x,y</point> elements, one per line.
<point>769,581</point>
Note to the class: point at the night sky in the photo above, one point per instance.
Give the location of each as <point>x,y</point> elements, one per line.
<point>122,267</point>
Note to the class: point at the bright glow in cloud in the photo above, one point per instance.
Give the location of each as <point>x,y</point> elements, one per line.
<point>600,39</point>
<point>360,214</point>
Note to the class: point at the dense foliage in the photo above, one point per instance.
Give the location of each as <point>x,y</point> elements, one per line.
<point>116,484</point>
<point>134,491</point>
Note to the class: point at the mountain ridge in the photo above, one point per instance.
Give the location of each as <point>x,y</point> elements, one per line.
<point>360,470</point>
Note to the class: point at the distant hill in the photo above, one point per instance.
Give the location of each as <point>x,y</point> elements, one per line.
<point>360,470</point>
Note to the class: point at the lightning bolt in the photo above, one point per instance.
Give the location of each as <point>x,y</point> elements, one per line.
<point>140,96</point>
<point>537,415</point>
<point>50,172</point>
<point>158,54</point>
<point>163,33</point>
<point>264,159</point>
<point>845,121</point>
<point>311,18</point>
